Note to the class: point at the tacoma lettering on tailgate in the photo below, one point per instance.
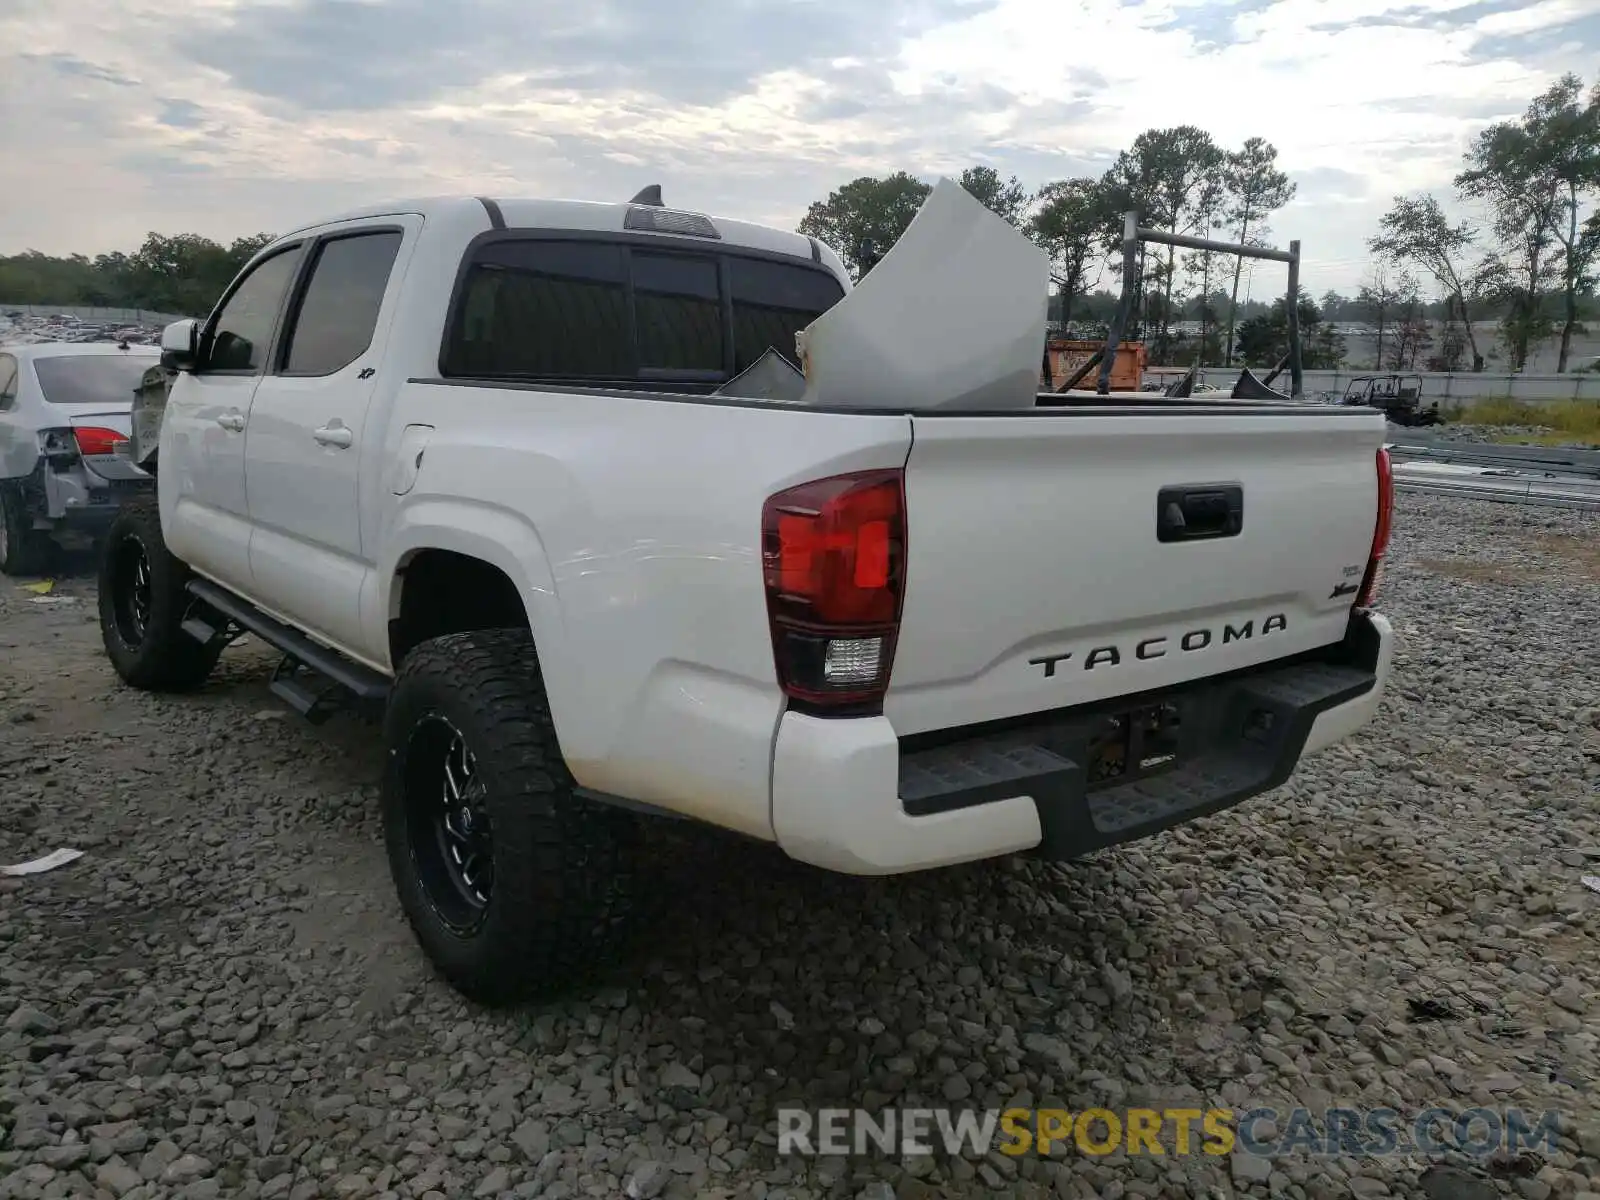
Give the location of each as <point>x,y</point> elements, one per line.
<point>1158,647</point>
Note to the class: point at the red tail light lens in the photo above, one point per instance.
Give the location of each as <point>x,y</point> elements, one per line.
<point>1380,534</point>
<point>93,440</point>
<point>833,554</point>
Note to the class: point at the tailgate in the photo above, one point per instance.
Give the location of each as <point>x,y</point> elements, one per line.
<point>1036,579</point>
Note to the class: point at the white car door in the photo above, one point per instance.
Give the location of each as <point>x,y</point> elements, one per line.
<point>308,421</point>
<point>201,478</point>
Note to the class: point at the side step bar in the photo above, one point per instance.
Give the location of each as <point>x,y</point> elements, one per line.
<point>288,681</point>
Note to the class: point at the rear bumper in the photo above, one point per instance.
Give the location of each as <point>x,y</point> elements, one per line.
<point>75,499</point>
<point>849,795</point>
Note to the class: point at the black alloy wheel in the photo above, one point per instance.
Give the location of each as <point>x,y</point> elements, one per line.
<point>452,838</point>
<point>130,574</point>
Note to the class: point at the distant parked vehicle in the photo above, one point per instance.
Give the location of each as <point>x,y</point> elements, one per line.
<point>1399,396</point>
<point>64,415</point>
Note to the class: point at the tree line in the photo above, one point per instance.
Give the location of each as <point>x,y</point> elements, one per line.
<point>1528,262</point>
<point>184,273</point>
<point>1529,257</point>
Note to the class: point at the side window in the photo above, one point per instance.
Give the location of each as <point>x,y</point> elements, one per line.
<point>772,302</point>
<point>538,308</point>
<point>678,309</point>
<point>241,331</point>
<point>339,310</point>
<point>8,382</point>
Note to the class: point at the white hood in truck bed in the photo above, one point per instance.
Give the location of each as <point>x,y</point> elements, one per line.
<point>953,317</point>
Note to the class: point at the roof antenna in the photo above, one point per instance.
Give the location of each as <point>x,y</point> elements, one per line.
<point>650,195</point>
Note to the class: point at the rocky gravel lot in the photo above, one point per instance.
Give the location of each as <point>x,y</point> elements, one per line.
<point>221,999</point>
<point>1514,435</point>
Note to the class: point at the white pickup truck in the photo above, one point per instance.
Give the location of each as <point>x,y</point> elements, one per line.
<point>468,459</point>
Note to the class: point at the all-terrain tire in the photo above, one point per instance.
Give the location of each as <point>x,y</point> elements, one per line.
<point>23,548</point>
<point>144,637</point>
<point>563,869</point>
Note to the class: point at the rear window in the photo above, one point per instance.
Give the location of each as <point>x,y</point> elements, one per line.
<point>534,308</point>
<point>105,379</point>
<point>772,302</point>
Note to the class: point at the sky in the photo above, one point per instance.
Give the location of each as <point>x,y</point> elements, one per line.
<point>231,117</point>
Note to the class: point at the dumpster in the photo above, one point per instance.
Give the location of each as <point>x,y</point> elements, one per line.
<point>1066,355</point>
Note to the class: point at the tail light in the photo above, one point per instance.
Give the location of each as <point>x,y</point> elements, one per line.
<point>1380,534</point>
<point>833,554</point>
<point>93,440</point>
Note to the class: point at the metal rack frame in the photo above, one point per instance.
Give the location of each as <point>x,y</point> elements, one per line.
<point>1133,236</point>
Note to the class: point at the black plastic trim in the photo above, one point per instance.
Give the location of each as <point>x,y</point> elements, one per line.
<point>497,219</point>
<point>1239,735</point>
<point>366,683</point>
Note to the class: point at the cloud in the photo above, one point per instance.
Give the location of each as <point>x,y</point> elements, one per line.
<point>72,65</point>
<point>1213,26</point>
<point>1556,33</point>
<point>181,114</point>
<point>361,54</point>
<point>242,115</point>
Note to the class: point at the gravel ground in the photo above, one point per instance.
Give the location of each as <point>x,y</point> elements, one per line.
<point>1514,435</point>
<point>221,999</point>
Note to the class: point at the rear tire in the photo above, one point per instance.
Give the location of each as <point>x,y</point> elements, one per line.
<point>23,549</point>
<point>143,598</point>
<point>514,885</point>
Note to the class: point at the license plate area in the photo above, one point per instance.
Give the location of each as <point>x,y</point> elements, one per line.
<point>1135,744</point>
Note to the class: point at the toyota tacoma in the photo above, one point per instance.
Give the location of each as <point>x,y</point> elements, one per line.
<point>483,464</point>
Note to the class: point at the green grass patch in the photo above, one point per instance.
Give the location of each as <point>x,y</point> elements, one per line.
<point>1568,420</point>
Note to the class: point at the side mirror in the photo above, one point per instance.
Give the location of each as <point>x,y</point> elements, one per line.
<point>180,345</point>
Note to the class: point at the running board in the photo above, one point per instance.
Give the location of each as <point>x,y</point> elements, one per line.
<point>363,682</point>
<point>204,631</point>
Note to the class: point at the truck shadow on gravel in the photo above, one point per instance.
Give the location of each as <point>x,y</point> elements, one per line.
<point>77,559</point>
<point>772,954</point>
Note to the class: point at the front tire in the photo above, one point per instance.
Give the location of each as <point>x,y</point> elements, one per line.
<point>143,595</point>
<point>514,885</point>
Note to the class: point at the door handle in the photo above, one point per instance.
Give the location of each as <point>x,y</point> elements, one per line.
<point>232,422</point>
<point>1198,511</point>
<point>334,435</point>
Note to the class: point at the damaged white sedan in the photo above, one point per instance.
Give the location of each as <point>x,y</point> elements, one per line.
<point>64,422</point>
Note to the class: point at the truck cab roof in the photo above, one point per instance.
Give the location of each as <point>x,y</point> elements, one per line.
<point>470,212</point>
